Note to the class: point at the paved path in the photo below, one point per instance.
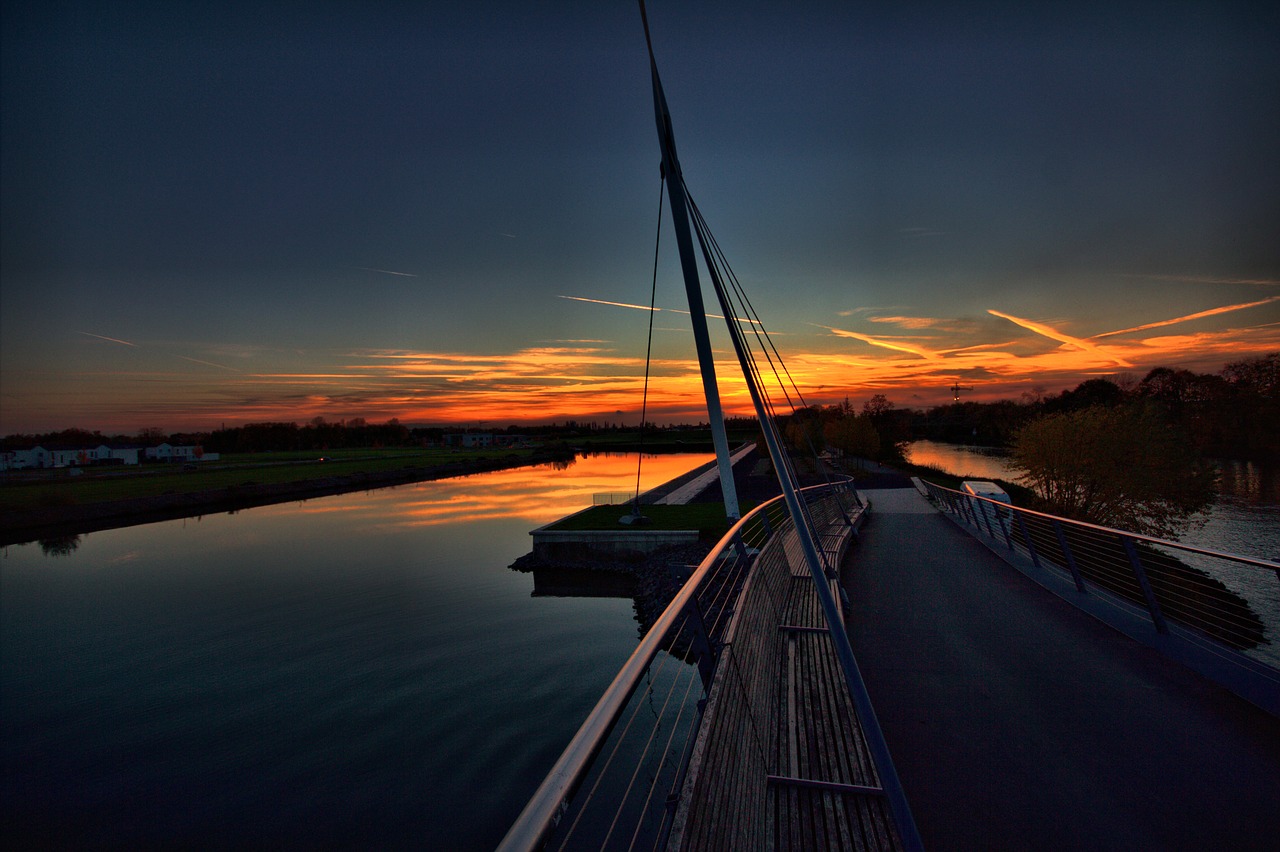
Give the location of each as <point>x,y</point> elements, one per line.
<point>1019,722</point>
<point>710,473</point>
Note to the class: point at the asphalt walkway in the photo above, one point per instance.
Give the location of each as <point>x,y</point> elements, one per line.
<point>1019,722</point>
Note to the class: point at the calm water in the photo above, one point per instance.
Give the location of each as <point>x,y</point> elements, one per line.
<point>1244,520</point>
<point>359,670</point>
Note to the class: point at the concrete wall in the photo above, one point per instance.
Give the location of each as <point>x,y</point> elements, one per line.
<point>621,544</point>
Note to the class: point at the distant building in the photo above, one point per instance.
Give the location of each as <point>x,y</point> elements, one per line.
<point>36,457</point>
<point>485,440</point>
<point>167,452</point>
<point>40,457</point>
<point>104,454</point>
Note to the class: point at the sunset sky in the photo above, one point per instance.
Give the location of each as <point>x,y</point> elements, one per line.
<point>222,213</point>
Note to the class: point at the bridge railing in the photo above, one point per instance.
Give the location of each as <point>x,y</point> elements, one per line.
<point>617,783</point>
<point>1168,580</point>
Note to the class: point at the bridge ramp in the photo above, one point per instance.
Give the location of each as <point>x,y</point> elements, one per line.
<point>1019,722</point>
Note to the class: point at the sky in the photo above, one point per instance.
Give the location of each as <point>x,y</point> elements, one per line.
<point>447,213</point>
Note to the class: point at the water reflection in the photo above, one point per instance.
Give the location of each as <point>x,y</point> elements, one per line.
<point>361,669</point>
<point>63,545</point>
<point>1248,482</point>
<point>570,582</point>
<point>539,494</point>
<point>963,460</point>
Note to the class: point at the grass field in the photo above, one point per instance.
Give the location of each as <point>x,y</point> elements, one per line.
<point>707,518</point>
<point>58,487</point>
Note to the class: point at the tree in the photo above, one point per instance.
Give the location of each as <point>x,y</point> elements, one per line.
<point>1087,394</point>
<point>853,435</point>
<point>1251,420</point>
<point>1259,377</point>
<point>1127,467</point>
<point>803,431</point>
<point>152,435</point>
<point>878,406</point>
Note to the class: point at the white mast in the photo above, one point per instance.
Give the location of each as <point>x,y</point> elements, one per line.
<point>693,288</point>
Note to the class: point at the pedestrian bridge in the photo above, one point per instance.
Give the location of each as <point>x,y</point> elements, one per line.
<point>997,648</point>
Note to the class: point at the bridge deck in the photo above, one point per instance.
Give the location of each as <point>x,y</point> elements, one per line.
<point>1018,722</point>
<point>784,764</point>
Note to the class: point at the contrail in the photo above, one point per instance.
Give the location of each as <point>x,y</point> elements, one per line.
<point>604,302</point>
<point>866,338</point>
<point>655,310</point>
<point>1054,334</point>
<point>1209,313</point>
<point>387,271</point>
<point>112,339</point>
<point>1189,279</point>
<point>208,363</point>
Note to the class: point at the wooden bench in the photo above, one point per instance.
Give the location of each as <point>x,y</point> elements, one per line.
<point>780,761</point>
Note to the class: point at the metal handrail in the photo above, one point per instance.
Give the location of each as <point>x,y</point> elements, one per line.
<point>1191,592</point>
<point>550,800</point>
<point>1162,542</point>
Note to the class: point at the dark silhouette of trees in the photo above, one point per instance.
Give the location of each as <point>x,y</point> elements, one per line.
<point>1252,418</point>
<point>853,435</point>
<point>1128,466</point>
<point>1234,413</point>
<point>1086,395</point>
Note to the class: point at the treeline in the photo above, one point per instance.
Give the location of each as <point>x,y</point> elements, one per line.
<point>877,431</point>
<point>149,437</point>
<point>1234,413</point>
<point>318,434</point>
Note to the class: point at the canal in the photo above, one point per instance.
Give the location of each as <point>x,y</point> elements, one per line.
<point>358,670</point>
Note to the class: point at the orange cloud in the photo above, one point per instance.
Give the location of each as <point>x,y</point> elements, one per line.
<point>581,379</point>
<point>882,343</point>
<point>1054,334</point>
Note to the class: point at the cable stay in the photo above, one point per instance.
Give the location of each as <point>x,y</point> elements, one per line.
<point>738,312</point>
<point>636,517</point>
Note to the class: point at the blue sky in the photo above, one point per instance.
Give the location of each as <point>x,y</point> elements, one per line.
<point>232,212</point>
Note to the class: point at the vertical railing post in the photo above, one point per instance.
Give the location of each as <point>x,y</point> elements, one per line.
<point>1068,555</point>
<point>700,642</point>
<point>979,506</point>
<point>1004,528</point>
<point>1156,615</point>
<point>1026,536</point>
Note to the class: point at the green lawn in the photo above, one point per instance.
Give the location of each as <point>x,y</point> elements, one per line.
<point>707,518</point>
<point>59,488</point>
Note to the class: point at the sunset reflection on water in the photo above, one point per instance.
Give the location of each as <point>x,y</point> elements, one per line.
<point>539,493</point>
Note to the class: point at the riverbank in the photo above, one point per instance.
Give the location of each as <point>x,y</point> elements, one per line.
<point>24,525</point>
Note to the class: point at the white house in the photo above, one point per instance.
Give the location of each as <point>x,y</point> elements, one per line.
<point>35,457</point>
<point>103,454</point>
<point>179,453</point>
<point>40,457</point>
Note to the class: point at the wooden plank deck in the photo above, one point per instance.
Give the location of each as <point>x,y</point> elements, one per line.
<point>781,761</point>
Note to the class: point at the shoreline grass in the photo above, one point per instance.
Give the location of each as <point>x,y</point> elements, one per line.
<point>59,488</point>
<point>707,518</point>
